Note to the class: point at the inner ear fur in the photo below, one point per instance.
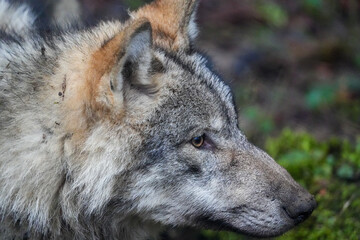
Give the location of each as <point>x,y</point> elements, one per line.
<point>173,22</point>
<point>123,60</point>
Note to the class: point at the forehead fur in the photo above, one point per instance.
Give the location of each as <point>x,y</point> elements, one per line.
<point>191,73</point>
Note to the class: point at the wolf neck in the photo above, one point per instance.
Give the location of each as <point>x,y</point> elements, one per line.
<point>44,192</point>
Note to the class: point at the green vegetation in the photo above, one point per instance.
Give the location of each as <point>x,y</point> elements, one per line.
<point>329,169</point>
<point>273,13</point>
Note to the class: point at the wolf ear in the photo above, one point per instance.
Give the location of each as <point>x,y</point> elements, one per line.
<point>122,64</point>
<point>173,22</point>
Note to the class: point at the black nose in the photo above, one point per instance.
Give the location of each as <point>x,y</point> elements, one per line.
<point>300,209</point>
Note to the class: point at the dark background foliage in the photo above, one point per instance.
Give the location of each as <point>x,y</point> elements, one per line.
<point>294,67</point>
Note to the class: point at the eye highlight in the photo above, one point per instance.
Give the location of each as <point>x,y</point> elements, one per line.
<point>197,141</point>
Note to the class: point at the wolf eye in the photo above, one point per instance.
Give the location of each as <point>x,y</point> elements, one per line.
<point>197,141</point>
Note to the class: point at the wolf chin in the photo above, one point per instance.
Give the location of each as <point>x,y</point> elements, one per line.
<point>115,131</point>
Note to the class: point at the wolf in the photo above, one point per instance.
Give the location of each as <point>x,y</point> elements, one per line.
<point>115,131</point>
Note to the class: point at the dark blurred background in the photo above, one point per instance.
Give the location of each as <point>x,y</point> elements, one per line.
<point>294,67</point>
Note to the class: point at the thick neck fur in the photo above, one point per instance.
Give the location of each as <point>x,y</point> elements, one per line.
<point>51,194</point>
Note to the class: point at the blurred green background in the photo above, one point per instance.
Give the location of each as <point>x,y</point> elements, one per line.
<point>294,67</point>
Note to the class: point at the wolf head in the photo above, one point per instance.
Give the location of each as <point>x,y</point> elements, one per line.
<point>162,140</point>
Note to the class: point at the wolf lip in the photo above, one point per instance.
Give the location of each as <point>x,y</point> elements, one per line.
<point>220,224</point>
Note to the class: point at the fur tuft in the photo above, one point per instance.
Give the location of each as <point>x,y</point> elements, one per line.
<point>15,19</point>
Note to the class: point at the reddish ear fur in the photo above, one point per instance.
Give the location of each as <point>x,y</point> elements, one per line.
<point>172,22</point>
<point>105,65</point>
<point>95,92</point>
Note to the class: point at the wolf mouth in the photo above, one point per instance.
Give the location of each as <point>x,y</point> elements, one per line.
<point>209,221</point>
<point>223,225</point>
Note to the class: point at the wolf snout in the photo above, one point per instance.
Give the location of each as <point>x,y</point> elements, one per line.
<point>300,208</point>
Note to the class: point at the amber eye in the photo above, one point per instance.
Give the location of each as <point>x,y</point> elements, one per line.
<point>197,141</point>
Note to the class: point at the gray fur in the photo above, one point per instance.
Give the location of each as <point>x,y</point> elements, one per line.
<point>16,19</point>
<point>132,176</point>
